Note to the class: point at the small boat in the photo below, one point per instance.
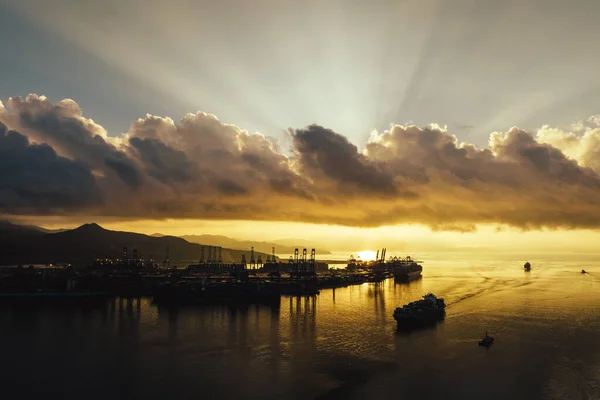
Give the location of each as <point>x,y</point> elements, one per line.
<point>583,271</point>
<point>527,266</point>
<point>486,341</point>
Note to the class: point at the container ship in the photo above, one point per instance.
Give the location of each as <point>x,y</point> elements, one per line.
<point>421,312</point>
<point>403,269</point>
<point>406,269</point>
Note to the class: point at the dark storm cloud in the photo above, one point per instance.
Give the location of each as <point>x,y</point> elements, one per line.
<point>544,159</point>
<point>124,168</point>
<point>200,167</point>
<point>163,162</point>
<point>33,178</point>
<point>229,187</point>
<point>63,127</point>
<point>323,153</point>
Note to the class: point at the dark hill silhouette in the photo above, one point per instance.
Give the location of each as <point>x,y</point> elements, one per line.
<point>13,237</point>
<point>91,241</point>
<point>8,228</point>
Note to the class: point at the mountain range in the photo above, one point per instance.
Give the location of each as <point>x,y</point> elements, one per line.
<point>21,244</point>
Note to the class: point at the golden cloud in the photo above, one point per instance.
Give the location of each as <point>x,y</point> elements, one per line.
<point>203,168</point>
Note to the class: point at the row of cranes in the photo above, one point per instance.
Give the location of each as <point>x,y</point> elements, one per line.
<point>303,267</point>
<point>212,258</point>
<point>394,259</point>
<point>302,261</point>
<point>257,261</point>
<point>383,253</point>
<point>213,255</point>
<point>299,263</point>
<point>380,259</point>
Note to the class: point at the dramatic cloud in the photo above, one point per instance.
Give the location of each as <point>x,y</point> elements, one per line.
<point>202,168</point>
<point>63,127</point>
<point>33,179</point>
<point>583,145</point>
<point>329,157</point>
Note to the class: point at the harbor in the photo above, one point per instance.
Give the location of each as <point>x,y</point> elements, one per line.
<point>210,280</point>
<point>342,342</point>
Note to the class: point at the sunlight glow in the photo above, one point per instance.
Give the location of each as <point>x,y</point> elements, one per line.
<point>367,255</point>
<point>402,240</point>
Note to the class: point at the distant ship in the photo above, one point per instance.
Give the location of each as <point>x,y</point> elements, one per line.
<point>421,312</point>
<point>487,341</point>
<point>527,266</point>
<point>406,269</point>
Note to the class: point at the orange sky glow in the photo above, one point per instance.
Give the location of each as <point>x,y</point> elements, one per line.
<point>398,239</point>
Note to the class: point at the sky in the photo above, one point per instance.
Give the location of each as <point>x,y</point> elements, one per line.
<point>436,119</point>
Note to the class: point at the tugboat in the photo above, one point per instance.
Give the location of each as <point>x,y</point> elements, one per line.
<point>527,266</point>
<point>486,341</point>
<point>421,312</point>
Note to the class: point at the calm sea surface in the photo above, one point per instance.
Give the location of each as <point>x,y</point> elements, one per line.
<point>340,344</point>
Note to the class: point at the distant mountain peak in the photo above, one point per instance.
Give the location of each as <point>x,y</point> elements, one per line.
<point>21,245</point>
<point>91,227</point>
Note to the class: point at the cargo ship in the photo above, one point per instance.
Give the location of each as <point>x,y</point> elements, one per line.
<point>407,269</point>
<point>404,269</point>
<point>421,312</point>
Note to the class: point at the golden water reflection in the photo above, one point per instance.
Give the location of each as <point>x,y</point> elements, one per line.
<point>342,342</point>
